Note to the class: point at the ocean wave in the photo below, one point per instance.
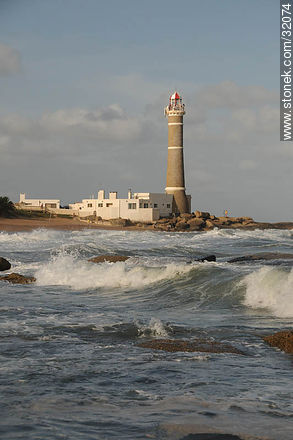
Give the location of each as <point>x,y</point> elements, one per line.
<point>36,235</point>
<point>68,270</point>
<point>270,288</point>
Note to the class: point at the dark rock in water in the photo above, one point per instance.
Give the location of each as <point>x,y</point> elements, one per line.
<point>262,256</point>
<point>201,345</point>
<point>208,258</point>
<point>282,340</point>
<point>4,264</point>
<point>16,278</point>
<point>108,258</point>
<point>211,436</point>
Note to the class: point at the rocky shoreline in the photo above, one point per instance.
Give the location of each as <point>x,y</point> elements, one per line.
<point>196,221</point>
<point>204,221</point>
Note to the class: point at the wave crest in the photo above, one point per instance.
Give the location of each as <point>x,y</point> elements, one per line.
<point>272,289</point>
<point>67,270</point>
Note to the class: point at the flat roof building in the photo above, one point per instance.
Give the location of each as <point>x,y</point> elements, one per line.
<point>140,207</point>
<point>38,203</point>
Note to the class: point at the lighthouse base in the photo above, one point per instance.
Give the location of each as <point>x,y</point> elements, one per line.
<point>181,202</point>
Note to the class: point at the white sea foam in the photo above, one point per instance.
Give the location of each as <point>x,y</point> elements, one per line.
<point>259,234</point>
<point>37,235</point>
<point>154,328</point>
<point>67,270</point>
<point>272,289</point>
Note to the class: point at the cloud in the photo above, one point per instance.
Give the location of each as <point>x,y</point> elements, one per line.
<point>109,124</point>
<point>228,94</point>
<point>247,164</point>
<point>10,61</point>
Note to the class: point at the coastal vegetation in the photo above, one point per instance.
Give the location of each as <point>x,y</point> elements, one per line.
<point>7,208</point>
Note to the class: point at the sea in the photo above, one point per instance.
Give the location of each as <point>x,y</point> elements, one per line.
<point>70,362</point>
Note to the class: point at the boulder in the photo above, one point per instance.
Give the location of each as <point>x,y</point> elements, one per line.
<point>282,340</point>
<point>224,221</point>
<point>108,258</point>
<point>200,214</point>
<point>247,219</point>
<point>237,225</point>
<point>210,224</point>
<point>201,345</point>
<point>186,216</point>
<point>120,222</point>
<point>182,226</point>
<point>16,278</point>
<point>196,222</point>
<point>4,264</point>
<point>163,220</point>
<point>167,227</point>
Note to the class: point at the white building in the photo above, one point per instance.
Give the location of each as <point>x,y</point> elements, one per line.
<point>140,207</point>
<point>39,203</point>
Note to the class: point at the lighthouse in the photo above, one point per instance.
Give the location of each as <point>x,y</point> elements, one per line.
<point>175,168</point>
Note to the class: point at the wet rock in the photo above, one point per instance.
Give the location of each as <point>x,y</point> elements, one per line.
<point>4,264</point>
<point>108,258</point>
<point>201,345</point>
<point>211,436</point>
<point>208,258</point>
<point>267,256</point>
<point>16,278</point>
<point>193,431</point>
<point>282,340</point>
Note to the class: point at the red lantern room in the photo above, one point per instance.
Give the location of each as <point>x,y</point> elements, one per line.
<point>175,99</point>
<point>175,102</point>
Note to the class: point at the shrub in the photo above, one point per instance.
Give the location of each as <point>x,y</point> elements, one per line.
<point>7,208</point>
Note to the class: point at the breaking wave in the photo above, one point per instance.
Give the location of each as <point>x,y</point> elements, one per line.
<point>67,270</point>
<point>270,288</point>
<point>37,235</point>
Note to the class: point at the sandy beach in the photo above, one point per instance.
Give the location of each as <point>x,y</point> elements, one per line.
<point>23,224</point>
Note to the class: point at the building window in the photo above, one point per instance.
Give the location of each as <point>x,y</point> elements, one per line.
<point>145,205</point>
<point>131,205</point>
<point>168,205</point>
<point>100,205</point>
<point>108,205</point>
<point>155,205</point>
<point>89,205</point>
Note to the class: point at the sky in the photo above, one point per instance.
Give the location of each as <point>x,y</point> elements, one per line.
<point>83,85</point>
